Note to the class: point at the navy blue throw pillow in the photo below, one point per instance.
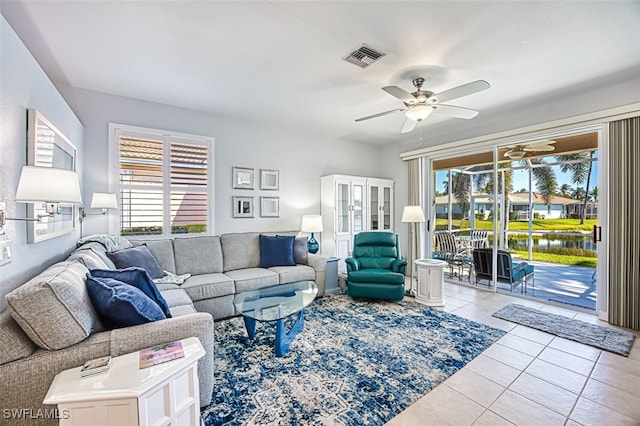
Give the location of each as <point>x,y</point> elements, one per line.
<point>121,305</point>
<point>138,278</point>
<point>276,251</point>
<point>139,256</point>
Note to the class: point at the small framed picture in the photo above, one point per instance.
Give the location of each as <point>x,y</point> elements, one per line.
<point>270,206</point>
<point>243,178</point>
<point>242,206</point>
<point>269,179</point>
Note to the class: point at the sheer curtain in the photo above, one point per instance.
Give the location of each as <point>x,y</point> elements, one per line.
<point>415,180</point>
<point>624,223</point>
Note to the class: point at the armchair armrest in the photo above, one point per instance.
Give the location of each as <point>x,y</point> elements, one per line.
<point>353,264</point>
<point>399,265</point>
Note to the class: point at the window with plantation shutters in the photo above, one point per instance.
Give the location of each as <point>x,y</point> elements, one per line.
<point>163,183</point>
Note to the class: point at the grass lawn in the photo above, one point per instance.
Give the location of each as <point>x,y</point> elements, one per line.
<point>591,262</point>
<point>562,225</point>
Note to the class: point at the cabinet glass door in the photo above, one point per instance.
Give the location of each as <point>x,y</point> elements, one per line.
<point>374,208</point>
<point>358,192</point>
<point>342,207</point>
<point>386,208</point>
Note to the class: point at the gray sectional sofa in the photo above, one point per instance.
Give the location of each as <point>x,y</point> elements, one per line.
<point>51,325</point>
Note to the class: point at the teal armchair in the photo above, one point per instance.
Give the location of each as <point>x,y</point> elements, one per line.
<point>376,270</point>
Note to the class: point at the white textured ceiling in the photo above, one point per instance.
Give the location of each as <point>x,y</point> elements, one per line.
<point>280,61</point>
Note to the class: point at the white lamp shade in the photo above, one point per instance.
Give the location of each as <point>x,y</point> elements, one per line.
<point>419,112</point>
<point>48,184</point>
<point>104,200</point>
<point>412,214</point>
<point>311,223</point>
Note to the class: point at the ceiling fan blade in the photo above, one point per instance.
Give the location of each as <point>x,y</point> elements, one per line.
<point>380,114</point>
<point>540,148</point>
<point>455,111</point>
<point>408,125</point>
<point>463,90</point>
<point>401,94</point>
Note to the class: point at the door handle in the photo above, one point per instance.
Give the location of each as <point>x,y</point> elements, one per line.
<point>597,233</point>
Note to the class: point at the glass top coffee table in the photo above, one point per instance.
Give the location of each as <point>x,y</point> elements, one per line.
<point>275,304</point>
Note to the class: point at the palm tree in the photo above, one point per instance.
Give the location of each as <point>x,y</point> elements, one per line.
<point>460,189</point>
<point>577,193</point>
<point>580,172</point>
<point>594,193</point>
<point>565,190</point>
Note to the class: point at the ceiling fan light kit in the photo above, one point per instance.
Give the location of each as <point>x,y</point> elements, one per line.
<point>420,104</point>
<point>419,112</point>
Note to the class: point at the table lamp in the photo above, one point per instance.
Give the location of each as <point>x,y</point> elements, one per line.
<point>312,223</point>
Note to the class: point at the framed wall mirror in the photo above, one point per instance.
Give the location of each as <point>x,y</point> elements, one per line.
<point>243,178</point>
<point>242,206</point>
<point>48,147</point>
<point>269,179</point>
<point>270,206</point>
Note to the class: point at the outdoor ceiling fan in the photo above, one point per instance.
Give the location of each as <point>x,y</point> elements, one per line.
<point>420,104</point>
<point>518,152</point>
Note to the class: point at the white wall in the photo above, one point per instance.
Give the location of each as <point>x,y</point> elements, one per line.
<point>302,158</point>
<point>24,85</point>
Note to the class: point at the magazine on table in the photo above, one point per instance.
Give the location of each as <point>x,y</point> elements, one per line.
<point>95,366</point>
<point>160,353</point>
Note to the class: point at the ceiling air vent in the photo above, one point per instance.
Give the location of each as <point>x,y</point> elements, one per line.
<point>363,56</point>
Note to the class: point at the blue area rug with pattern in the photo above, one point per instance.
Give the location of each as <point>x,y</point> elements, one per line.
<point>354,363</point>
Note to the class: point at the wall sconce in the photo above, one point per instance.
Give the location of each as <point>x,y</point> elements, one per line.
<point>100,200</point>
<point>312,223</point>
<point>47,185</point>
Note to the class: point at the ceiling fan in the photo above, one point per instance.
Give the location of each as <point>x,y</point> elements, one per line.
<point>517,152</point>
<point>420,104</point>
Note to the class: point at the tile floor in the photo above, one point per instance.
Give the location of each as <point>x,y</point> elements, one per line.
<point>529,377</point>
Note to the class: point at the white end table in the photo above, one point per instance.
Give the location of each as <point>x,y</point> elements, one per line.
<point>430,281</point>
<point>166,393</point>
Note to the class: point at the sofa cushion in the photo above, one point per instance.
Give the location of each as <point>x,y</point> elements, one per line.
<point>108,241</point>
<point>139,256</point>
<point>276,251</point>
<point>253,278</point>
<point>301,250</point>
<point>289,274</point>
<point>162,251</point>
<point>138,278</point>
<point>240,251</point>
<point>15,343</point>
<point>89,258</point>
<point>120,304</point>
<point>54,308</point>
<point>177,297</point>
<point>99,250</point>
<point>207,286</point>
<point>198,255</point>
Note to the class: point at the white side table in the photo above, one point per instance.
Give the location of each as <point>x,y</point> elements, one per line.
<point>163,394</point>
<point>430,281</point>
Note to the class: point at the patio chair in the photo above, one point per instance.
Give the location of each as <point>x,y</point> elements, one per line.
<point>480,234</point>
<point>449,251</point>
<point>509,272</point>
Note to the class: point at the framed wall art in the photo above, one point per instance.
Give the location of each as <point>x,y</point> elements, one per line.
<point>243,178</point>
<point>48,147</point>
<point>269,179</point>
<point>242,206</point>
<point>270,206</point>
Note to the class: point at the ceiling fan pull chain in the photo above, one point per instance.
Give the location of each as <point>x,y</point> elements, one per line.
<point>420,136</point>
